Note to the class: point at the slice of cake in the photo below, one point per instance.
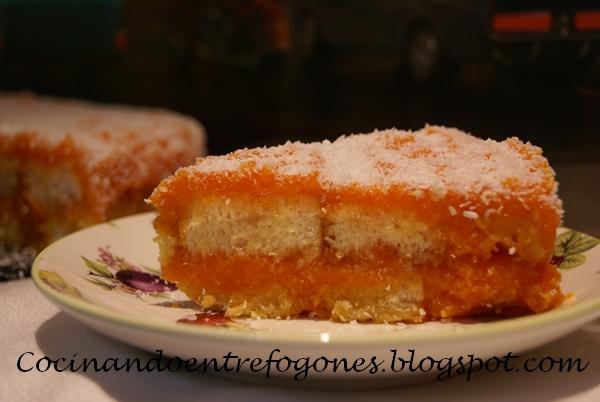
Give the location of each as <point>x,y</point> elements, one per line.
<point>383,227</point>
<point>67,164</point>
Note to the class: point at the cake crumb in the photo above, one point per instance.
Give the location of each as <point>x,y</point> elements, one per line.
<point>208,301</point>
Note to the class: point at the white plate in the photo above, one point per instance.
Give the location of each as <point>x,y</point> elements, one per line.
<point>93,275</point>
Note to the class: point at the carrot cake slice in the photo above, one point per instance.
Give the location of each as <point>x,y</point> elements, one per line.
<point>383,227</point>
<point>66,164</point>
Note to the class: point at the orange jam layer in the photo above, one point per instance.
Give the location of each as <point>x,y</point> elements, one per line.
<point>457,288</point>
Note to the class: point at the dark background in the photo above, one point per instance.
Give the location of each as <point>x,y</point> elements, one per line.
<point>260,72</point>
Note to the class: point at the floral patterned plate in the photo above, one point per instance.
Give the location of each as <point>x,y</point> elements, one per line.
<point>106,276</point>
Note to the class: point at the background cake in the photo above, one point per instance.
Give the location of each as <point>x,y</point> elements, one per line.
<point>66,164</point>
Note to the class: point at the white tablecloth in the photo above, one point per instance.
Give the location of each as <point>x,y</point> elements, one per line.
<point>30,323</point>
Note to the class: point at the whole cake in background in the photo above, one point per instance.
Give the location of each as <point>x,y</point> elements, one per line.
<point>384,227</point>
<point>66,164</point>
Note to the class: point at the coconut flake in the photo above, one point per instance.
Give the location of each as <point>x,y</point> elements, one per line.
<point>470,214</point>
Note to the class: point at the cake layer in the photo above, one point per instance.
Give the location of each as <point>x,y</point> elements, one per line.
<point>68,164</point>
<point>276,227</point>
<point>388,232</point>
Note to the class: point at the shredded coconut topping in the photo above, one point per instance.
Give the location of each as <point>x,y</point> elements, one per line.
<point>436,159</point>
<point>101,130</point>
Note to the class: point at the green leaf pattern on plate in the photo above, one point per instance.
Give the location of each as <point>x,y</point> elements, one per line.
<point>97,268</point>
<point>104,285</point>
<point>569,249</point>
<point>56,282</point>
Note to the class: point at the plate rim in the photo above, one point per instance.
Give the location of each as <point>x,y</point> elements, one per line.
<point>585,310</point>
